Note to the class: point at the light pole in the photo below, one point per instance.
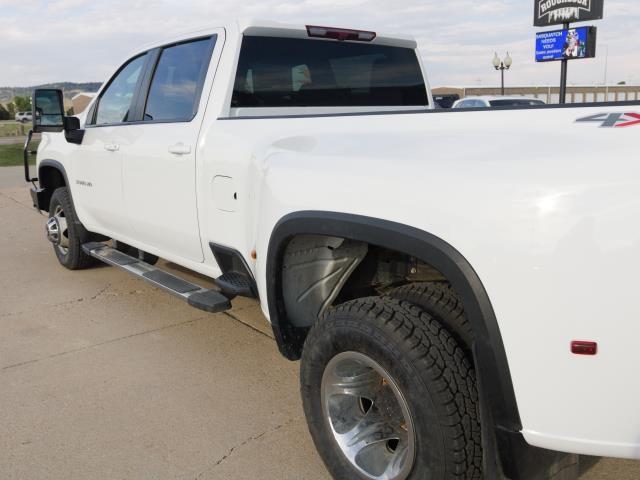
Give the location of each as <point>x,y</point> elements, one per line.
<point>502,65</point>
<point>606,64</point>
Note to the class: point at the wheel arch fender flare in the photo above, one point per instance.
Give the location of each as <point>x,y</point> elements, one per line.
<point>49,181</point>
<point>492,366</point>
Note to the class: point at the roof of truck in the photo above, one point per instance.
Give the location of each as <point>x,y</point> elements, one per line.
<point>268,28</point>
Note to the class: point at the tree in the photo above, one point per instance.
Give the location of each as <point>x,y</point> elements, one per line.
<point>23,104</point>
<point>4,113</point>
<point>11,108</point>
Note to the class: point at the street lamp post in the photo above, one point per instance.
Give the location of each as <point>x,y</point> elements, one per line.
<point>606,64</point>
<point>502,65</point>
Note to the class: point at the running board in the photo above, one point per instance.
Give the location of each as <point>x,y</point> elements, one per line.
<point>204,299</point>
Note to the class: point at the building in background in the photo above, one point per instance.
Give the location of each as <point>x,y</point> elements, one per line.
<point>575,94</point>
<point>80,101</point>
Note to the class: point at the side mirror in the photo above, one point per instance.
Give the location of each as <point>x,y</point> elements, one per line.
<point>72,131</point>
<point>48,110</point>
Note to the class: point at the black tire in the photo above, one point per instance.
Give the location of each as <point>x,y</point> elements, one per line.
<point>441,302</point>
<point>135,252</point>
<point>74,258</point>
<point>429,368</point>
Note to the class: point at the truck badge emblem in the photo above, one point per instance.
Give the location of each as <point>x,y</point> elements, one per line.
<point>612,120</point>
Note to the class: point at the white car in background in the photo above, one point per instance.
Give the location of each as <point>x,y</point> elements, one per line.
<point>487,102</point>
<point>23,117</point>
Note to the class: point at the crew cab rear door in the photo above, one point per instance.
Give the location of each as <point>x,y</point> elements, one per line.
<point>159,166</point>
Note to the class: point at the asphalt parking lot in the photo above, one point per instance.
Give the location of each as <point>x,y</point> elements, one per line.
<point>104,376</point>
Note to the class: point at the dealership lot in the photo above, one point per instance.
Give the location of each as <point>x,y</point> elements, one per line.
<point>106,377</point>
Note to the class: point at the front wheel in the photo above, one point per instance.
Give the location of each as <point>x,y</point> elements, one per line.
<point>66,233</point>
<point>389,394</point>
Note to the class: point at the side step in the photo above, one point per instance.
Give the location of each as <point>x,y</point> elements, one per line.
<point>235,284</point>
<point>204,299</point>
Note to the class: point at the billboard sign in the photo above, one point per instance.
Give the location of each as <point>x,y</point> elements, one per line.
<point>572,44</point>
<point>557,12</point>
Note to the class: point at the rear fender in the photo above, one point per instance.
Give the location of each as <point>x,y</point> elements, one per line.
<point>506,453</point>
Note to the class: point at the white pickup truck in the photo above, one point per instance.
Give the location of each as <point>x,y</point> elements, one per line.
<point>459,284</point>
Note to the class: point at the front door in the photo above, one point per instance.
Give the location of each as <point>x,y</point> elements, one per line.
<point>159,168</point>
<point>97,162</point>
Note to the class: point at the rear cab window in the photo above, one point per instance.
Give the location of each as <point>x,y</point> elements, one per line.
<point>293,72</point>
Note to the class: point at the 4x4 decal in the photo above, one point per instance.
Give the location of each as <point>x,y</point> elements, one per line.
<point>613,120</point>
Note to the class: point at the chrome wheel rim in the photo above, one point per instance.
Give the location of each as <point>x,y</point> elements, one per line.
<point>368,416</point>
<point>57,230</point>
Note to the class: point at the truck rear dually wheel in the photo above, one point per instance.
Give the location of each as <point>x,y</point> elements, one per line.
<point>66,233</point>
<point>441,302</point>
<point>389,394</point>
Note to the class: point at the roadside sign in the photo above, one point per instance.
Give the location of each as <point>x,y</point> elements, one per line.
<point>571,44</point>
<point>558,12</point>
<point>566,44</point>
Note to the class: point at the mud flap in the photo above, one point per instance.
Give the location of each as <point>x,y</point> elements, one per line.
<point>315,268</point>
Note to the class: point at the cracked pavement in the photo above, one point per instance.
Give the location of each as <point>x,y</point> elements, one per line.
<point>103,376</point>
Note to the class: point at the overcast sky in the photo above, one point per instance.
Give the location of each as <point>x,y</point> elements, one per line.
<point>85,40</point>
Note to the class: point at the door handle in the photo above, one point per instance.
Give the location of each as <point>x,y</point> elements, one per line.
<point>112,147</point>
<point>180,149</point>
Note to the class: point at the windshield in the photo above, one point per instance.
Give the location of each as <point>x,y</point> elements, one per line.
<point>291,72</point>
<point>515,102</point>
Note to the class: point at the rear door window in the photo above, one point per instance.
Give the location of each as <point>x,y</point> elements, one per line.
<point>291,72</point>
<point>177,82</point>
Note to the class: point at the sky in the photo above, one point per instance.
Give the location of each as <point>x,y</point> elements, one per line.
<point>45,41</point>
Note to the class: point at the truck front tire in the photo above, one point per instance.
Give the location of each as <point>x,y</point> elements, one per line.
<point>66,233</point>
<point>388,393</point>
